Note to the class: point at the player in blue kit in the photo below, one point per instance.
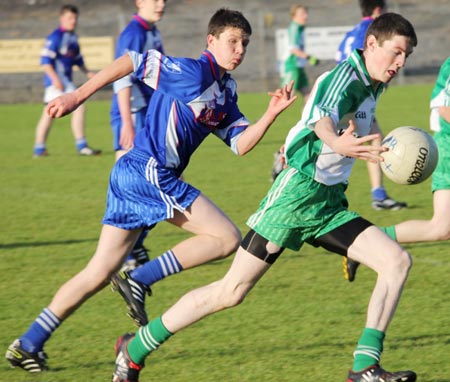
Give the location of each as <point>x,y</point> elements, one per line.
<point>60,54</point>
<point>193,98</point>
<point>131,96</point>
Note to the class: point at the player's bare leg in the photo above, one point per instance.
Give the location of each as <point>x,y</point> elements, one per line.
<point>131,350</point>
<point>377,251</point>
<point>41,134</point>
<point>392,263</point>
<point>78,122</point>
<point>215,236</point>
<point>435,229</point>
<point>27,351</point>
<point>228,292</point>
<point>113,246</point>
<point>79,132</point>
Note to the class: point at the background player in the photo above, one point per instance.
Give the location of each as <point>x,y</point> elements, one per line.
<point>131,96</point>
<point>293,67</point>
<point>192,99</point>
<point>354,39</point>
<point>307,203</point>
<point>60,54</point>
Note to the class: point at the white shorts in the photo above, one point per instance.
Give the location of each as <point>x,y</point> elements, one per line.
<point>51,92</point>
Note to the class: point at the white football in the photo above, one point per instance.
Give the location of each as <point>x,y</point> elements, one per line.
<point>412,155</point>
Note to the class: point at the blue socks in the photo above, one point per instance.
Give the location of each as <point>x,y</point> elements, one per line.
<point>379,194</point>
<point>81,143</point>
<point>157,269</point>
<point>40,331</point>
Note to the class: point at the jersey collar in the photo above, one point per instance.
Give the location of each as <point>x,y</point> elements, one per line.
<point>145,24</point>
<point>209,57</point>
<point>357,63</point>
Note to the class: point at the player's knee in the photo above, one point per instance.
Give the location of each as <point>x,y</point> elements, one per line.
<point>229,241</point>
<point>230,295</point>
<point>441,232</point>
<point>400,264</point>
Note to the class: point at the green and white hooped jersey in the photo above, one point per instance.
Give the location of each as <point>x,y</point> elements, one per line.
<point>342,94</point>
<point>440,97</point>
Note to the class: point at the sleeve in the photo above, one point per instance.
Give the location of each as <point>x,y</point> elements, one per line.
<point>179,77</point>
<point>441,91</point>
<point>50,50</point>
<point>127,42</point>
<point>232,127</point>
<point>331,98</point>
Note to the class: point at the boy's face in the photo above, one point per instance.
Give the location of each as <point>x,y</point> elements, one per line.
<point>68,21</point>
<point>384,62</point>
<point>228,48</point>
<point>151,10</point>
<point>301,16</point>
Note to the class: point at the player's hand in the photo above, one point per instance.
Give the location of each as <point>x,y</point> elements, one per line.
<point>350,145</point>
<point>126,136</point>
<point>282,98</point>
<point>313,60</point>
<point>57,84</point>
<point>62,105</point>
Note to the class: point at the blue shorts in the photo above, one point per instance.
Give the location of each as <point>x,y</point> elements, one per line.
<point>116,126</point>
<point>141,193</point>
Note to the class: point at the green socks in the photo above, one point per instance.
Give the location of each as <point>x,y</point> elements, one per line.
<point>369,349</point>
<point>390,231</point>
<point>148,338</point>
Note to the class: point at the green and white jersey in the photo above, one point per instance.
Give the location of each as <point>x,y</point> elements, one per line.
<point>440,97</point>
<point>344,93</point>
<point>296,39</point>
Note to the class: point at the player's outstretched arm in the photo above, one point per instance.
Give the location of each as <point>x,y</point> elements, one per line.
<point>348,144</point>
<point>281,99</point>
<point>67,103</point>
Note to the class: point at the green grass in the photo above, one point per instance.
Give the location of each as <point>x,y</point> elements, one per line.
<point>300,323</point>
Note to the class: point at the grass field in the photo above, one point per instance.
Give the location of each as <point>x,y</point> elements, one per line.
<point>299,324</point>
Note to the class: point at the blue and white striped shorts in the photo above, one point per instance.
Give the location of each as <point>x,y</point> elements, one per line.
<point>141,193</point>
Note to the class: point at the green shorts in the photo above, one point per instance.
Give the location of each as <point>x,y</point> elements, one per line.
<point>441,176</point>
<point>298,75</point>
<point>298,209</point>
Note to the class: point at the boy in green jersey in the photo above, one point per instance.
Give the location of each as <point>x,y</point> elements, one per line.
<point>306,203</point>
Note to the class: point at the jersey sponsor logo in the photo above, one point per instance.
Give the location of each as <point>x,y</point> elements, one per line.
<point>360,115</point>
<point>172,66</point>
<point>211,117</point>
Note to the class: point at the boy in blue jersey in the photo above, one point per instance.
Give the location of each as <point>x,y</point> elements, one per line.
<point>131,96</point>
<point>193,98</point>
<point>307,203</point>
<point>354,39</point>
<point>60,54</point>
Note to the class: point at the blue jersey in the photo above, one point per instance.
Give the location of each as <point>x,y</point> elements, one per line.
<point>353,39</point>
<point>138,36</point>
<point>190,102</point>
<point>61,51</point>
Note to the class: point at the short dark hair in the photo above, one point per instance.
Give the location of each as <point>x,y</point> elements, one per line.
<point>368,6</point>
<point>227,18</point>
<point>69,8</point>
<point>391,24</point>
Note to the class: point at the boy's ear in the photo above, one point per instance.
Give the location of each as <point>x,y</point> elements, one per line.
<point>371,42</point>
<point>209,39</point>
